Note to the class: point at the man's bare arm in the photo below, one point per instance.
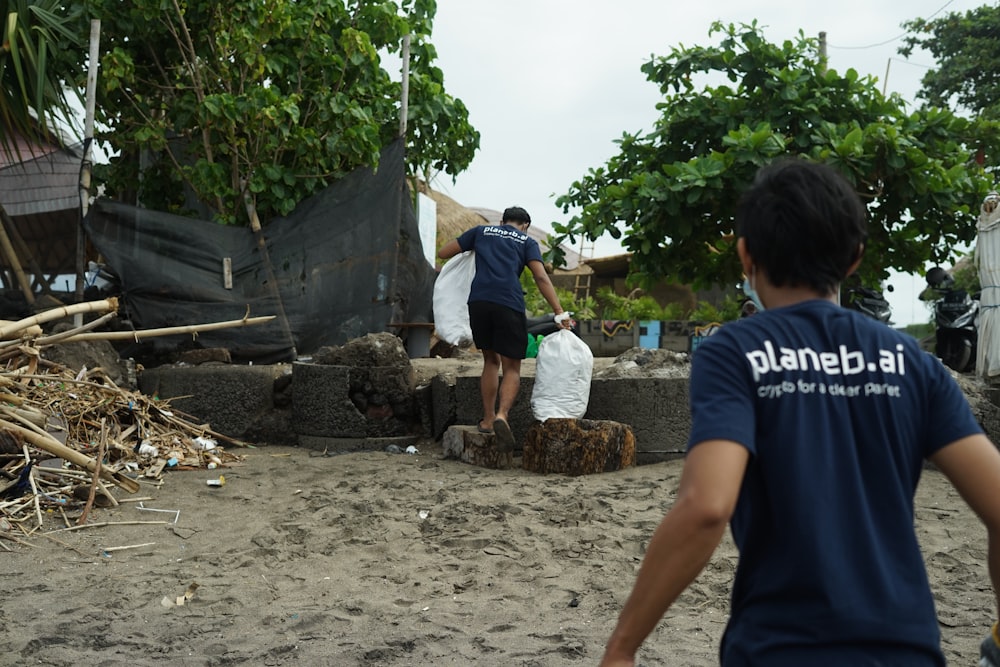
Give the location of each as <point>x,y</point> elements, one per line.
<point>972,465</point>
<point>683,542</point>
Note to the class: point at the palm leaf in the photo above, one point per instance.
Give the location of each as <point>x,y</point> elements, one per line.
<point>34,95</point>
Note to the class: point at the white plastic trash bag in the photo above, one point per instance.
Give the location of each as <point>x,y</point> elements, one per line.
<point>451,298</point>
<point>563,370</point>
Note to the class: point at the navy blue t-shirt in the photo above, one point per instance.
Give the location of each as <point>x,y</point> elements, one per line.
<point>838,413</point>
<point>502,252</point>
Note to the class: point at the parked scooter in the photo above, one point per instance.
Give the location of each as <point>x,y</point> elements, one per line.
<point>870,302</point>
<point>956,320</point>
<point>543,325</point>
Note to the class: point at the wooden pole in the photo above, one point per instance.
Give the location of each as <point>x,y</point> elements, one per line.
<point>24,251</point>
<point>15,264</point>
<point>405,93</point>
<point>97,474</point>
<point>85,170</point>
<point>822,50</point>
<point>258,234</point>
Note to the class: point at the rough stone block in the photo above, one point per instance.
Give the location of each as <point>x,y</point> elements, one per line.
<point>578,446</point>
<point>321,404</point>
<point>467,444</point>
<point>442,404</point>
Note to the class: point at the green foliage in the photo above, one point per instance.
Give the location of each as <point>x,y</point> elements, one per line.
<point>966,275</point>
<point>707,312</point>
<point>967,53</point>
<point>613,306</point>
<point>42,48</point>
<point>919,331</point>
<point>675,312</point>
<point>671,194</point>
<point>535,304</point>
<point>225,103</point>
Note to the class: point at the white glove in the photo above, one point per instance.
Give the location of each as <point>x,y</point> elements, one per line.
<point>562,317</point>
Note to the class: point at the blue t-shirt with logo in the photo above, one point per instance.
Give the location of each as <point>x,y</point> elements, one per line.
<point>502,252</point>
<point>838,413</point>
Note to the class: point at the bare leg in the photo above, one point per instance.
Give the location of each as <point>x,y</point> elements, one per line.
<point>509,385</point>
<point>489,383</point>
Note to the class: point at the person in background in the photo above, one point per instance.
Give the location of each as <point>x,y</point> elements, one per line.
<point>811,424</point>
<point>497,311</point>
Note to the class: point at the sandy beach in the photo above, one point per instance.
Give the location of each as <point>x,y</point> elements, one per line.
<point>395,559</point>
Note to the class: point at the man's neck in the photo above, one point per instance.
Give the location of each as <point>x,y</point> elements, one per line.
<point>778,297</point>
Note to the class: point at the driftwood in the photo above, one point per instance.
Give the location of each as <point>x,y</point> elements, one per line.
<point>140,334</point>
<point>104,306</point>
<point>53,446</point>
<point>68,438</point>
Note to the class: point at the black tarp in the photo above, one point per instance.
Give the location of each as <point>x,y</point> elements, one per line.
<point>347,262</point>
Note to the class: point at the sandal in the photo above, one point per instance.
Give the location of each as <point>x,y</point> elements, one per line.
<point>505,438</point>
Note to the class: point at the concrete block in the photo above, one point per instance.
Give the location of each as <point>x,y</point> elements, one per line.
<point>353,402</point>
<point>469,405</point>
<point>657,409</point>
<point>442,404</point>
<point>229,398</point>
<point>321,404</point>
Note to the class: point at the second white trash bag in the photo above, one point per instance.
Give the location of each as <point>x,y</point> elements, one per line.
<point>451,297</point>
<point>563,371</point>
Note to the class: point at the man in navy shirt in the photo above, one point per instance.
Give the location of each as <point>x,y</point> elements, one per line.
<point>810,427</point>
<point>497,312</point>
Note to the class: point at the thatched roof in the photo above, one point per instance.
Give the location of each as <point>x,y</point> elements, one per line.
<point>452,217</point>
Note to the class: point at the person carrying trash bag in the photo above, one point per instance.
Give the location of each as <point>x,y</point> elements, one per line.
<point>810,428</point>
<point>497,310</point>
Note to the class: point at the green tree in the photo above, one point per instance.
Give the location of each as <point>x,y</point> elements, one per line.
<point>671,193</point>
<point>211,104</point>
<point>42,50</point>
<point>967,53</point>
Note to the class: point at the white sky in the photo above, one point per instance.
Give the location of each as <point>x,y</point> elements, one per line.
<point>550,84</point>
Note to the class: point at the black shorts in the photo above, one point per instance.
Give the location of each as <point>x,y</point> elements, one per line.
<point>499,329</point>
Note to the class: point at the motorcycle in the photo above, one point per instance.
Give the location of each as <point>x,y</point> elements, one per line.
<point>870,302</point>
<point>956,320</point>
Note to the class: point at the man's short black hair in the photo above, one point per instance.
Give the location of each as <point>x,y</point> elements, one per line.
<point>516,214</point>
<point>803,223</point>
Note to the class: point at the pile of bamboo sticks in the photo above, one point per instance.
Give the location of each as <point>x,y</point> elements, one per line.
<point>69,437</point>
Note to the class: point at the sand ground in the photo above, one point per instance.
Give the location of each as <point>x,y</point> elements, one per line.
<point>394,559</point>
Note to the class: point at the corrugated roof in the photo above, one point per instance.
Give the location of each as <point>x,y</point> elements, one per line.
<point>45,183</point>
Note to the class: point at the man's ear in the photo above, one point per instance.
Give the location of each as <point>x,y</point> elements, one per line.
<point>745,259</point>
<point>857,262</point>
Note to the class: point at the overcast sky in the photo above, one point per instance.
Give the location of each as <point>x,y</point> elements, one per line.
<point>550,84</point>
